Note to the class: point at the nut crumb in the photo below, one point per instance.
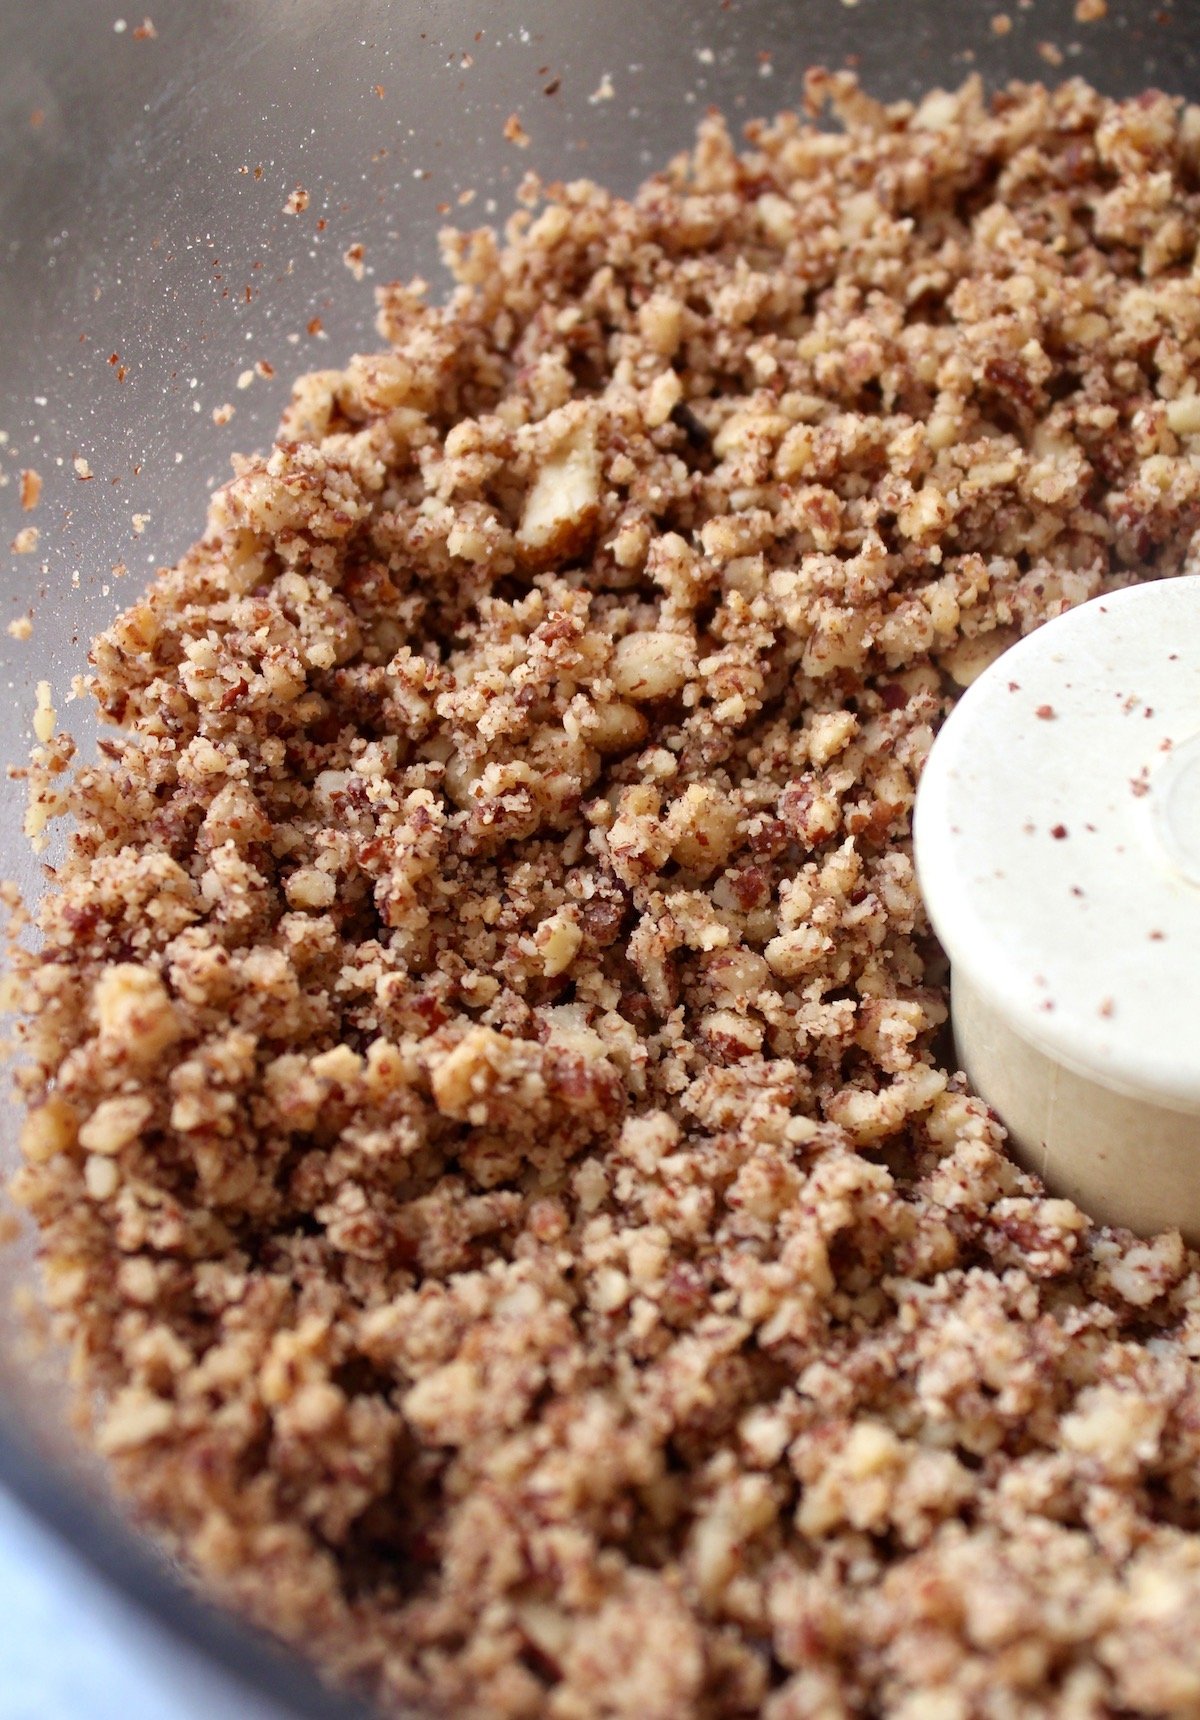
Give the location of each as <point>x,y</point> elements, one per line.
<point>297,201</point>
<point>353,256</point>
<point>26,541</point>
<point>514,131</point>
<point>20,627</point>
<point>31,489</point>
<point>45,716</point>
<point>1088,11</point>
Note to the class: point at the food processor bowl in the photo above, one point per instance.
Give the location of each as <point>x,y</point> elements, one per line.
<point>162,266</point>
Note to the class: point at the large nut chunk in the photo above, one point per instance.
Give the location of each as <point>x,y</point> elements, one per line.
<point>967,658</point>
<point>557,940</point>
<point>115,1123</point>
<point>309,887</point>
<point>614,728</point>
<point>51,1129</point>
<point>135,1013</point>
<point>1183,415</point>
<point>564,501</point>
<point>653,665</point>
<point>702,825</point>
<point>463,1080</point>
<point>490,1080</point>
<point>135,1417</point>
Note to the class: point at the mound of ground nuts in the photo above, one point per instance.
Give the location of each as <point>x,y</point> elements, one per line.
<point>495,1147</point>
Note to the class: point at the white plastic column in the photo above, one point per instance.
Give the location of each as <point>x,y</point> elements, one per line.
<point>1057,837</point>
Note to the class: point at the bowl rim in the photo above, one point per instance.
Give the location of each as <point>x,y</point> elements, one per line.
<point>100,1540</point>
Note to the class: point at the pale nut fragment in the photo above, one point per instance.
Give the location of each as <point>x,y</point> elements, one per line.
<point>925,515</point>
<point>653,665</point>
<point>702,824</point>
<point>342,1064</point>
<point>660,320</point>
<point>737,976</point>
<point>796,452</point>
<point>101,1177</point>
<point>309,887</point>
<point>557,940</point>
<point>1183,415</point>
<point>829,732</point>
<point>53,1128</point>
<point>631,543</point>
<point>729,1036</point>
<point>135,1013</point>
<point>796,951</point>
<point>614,728</point>
<point>748,429</point>
<point>115,1123</point>
<point>967,658</point>
<point>662,397</point>
<point>463,1076</point>
<point>44,714</point>
<point>563,503</point>
<point>135,1417</point>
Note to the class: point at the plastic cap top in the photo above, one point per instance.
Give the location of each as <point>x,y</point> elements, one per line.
<point>1057,836</point>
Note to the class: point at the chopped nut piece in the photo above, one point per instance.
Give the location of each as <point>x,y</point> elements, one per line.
<point>311,888</point>
<point>1183,415</point>
<point>44,714</point>
<point>135,1013</point>
<point>114,1124</point>
<point>652,665</point>
<point>563,502</point>
<point>558,940</point>
<point>101,1177</point>
<point>514,131</point>
<point>52,1128</point>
